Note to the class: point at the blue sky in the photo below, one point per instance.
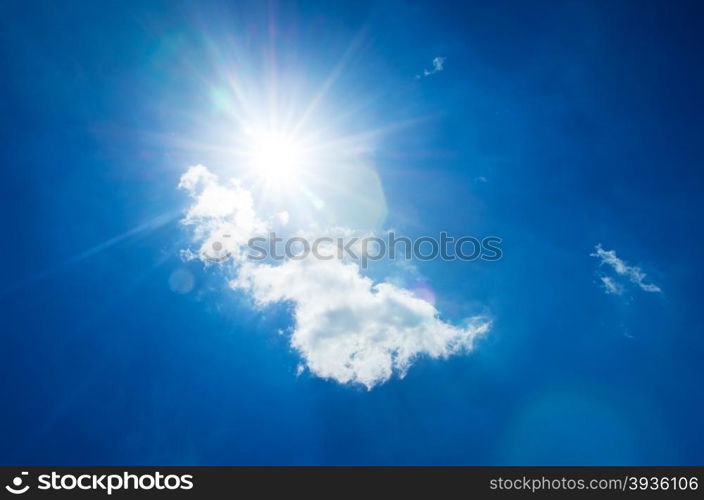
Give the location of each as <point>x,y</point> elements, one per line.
<point>556,126</point>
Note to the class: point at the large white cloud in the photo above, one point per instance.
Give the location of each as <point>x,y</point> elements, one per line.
<point>346,327</point>
<point>349,329</point>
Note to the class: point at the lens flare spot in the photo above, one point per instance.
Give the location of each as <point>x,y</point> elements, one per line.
<point>181,281</point>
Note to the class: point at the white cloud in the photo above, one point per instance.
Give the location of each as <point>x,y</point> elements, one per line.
<point>223,215</point>
<point>633,273</point>
<point>351,330</point>
<point>283,217</point>
<point>438,63</point>
<point>346,327</point>
<point>611,286</point>
<point>438,66</point>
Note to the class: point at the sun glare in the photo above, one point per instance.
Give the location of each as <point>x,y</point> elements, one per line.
<point>276,158</point>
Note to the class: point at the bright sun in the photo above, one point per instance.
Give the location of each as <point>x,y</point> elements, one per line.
<point>276,158</point>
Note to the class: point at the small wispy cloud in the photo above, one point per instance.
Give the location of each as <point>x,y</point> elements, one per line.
<point>611,286</point>
<point>633,273</point>
<point>438,66</point>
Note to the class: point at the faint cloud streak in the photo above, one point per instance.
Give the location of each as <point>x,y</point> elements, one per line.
<point>633,273</point>
<point>438,66</point>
